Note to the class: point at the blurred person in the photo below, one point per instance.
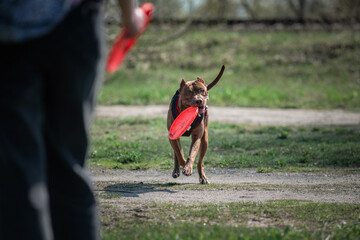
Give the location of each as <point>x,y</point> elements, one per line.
<point>51,61</point>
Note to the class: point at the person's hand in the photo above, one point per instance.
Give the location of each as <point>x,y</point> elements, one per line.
<point>132,17</point>
<point>136,23</point>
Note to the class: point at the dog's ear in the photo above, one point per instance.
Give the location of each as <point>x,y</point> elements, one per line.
<point>182,84</point>
<point>201,80</point>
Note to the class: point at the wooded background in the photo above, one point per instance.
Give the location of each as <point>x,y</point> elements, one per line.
<point>238,11</point>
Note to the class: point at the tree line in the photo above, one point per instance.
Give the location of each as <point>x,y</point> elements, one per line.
<point>300,10</point>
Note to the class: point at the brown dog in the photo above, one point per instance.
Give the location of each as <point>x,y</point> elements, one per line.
<point>192,93</point>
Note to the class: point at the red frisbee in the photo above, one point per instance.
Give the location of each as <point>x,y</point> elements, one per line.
<point>183,122</point>
<point>124,43</point>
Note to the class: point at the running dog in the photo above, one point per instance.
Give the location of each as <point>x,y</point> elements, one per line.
<point>192,93</point>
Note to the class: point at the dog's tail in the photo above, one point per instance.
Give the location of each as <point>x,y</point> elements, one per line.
<point>213,83</point>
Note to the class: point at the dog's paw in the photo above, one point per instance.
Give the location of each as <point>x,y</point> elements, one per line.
<point>176,173</point>
<point>204,181</point>
<point>187,171</point>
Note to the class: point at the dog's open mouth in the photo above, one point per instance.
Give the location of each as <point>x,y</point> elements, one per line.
<point>201,109</point>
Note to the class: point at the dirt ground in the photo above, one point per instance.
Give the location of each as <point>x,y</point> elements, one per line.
<point>231,185</point>
<point>255,116</point>
<point>227,185</point>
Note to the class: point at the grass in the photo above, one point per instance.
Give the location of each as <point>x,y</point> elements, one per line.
<point>285,219</point>
<point>317,70</point>
<point>277,69</point>
<point>143,144</point>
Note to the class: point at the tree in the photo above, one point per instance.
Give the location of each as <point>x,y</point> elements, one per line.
<point>166,9</point>
<point>250,8</point>
<point>298,8</point>
<point>216,9</point>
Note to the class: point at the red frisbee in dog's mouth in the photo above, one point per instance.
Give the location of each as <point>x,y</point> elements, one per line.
<point>183,122</point>
<point>124,43</point>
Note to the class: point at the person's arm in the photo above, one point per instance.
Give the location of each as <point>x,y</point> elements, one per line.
<point>131,18</point>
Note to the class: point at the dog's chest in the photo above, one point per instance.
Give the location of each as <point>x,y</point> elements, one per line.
<point>176,111</point>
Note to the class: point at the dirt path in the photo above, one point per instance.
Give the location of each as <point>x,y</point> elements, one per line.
<point>227,185</point>
<point>230,185</point>
<point>256,116</point>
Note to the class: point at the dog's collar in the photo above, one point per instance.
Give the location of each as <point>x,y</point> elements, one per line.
<point>176,111</point>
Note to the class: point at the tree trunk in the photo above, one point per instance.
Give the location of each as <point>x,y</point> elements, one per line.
<point>298,9</point>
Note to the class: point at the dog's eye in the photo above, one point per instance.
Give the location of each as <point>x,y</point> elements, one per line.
<point>201,90</point>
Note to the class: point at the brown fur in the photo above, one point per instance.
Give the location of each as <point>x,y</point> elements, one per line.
<point>193,93</point>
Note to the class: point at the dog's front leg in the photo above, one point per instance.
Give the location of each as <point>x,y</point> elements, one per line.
<point>204,145</point>
<point>194,149</point>
<point>179,159</point>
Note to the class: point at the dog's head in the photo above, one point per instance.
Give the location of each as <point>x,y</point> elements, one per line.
<point>196,93</point>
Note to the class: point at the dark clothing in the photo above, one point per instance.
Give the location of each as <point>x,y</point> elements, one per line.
<point>21,20</point>
<point>47,89</point>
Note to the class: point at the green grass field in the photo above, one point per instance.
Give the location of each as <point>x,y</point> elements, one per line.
<point>285,219</point>
<point>315,70</point>
<point>143,144</point>
<point>278,69</point>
